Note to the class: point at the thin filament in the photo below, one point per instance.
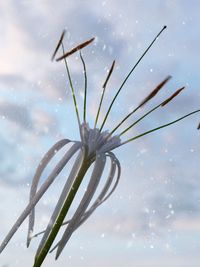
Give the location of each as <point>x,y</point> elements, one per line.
<point>123,83</point>
<point>160,127</point>
<point>102,95</point>
<point>85,87</point>
<point>149,97</point>
<point>124,120</point>
<point>72,88</point>
<point>149,112</point>
<point>133,124</point>
<point>58,45</point>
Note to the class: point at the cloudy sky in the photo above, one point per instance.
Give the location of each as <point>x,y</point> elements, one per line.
<point>153,218</point>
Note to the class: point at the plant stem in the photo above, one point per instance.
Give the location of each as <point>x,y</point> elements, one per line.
<point>58,223</point>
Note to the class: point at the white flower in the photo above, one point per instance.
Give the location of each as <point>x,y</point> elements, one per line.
<point>93,150</point>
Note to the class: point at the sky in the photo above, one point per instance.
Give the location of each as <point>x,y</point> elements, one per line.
<point>153,217</point>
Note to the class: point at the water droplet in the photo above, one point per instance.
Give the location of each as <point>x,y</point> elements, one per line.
<point>170,206</point>
<point>102,235</point>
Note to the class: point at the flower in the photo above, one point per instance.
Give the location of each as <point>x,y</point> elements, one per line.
<point>93,150</point>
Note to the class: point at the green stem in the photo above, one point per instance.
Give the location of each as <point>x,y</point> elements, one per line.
<point>58,223</point>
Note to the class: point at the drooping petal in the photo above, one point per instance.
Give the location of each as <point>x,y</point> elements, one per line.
<point>110,144</point>
<point>62,198</point>
<point>92,186</point>
<point>102,196</point>
<point>98,201</point>
<point>40,193</point>
<point>42,165</point>
<point>116,161</point>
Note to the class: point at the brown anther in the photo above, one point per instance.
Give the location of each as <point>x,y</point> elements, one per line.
<point>58,45</point>
<point>155,91</point>
<point>109,74</point>
<point>171,97</point>
<point>77,48</point>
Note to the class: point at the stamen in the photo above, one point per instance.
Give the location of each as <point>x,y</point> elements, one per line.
<point>172,96</point>
<point>123,83</point>
<point>160,127</point>
<point>109,74</point>
<point>133,124</point>
<point>104,88</point>
<point>72,90</point>
<point>149,112</point>
<point>155,91</point>
<point>58,45</point>
<point>85,90</point>
<point>74,50</point>
<point>151,95</point>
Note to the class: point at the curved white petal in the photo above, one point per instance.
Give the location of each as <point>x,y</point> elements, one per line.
<point>92,186</point>
<point>98,201</point>
<point>116,161</point>
<point>65,191</point>
<point>42,165</point>
<point>40,193</point>
<point>92,140</point>
<point>102,196</point>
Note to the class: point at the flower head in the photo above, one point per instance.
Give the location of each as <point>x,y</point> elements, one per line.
<point>92,151</point>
